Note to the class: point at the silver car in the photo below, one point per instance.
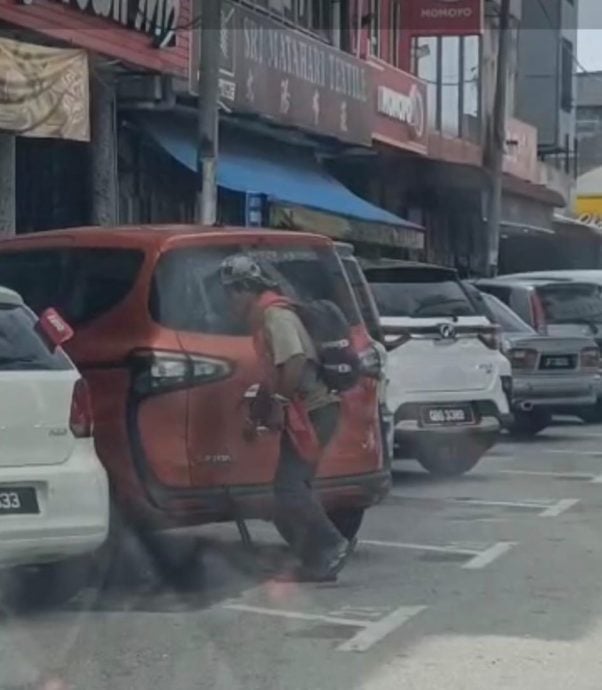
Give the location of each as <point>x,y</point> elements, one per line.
<point>550,373</point>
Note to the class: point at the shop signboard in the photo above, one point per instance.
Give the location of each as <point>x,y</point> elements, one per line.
<point>443,17</point>
<point>292,78</point>
<point>400,104</point>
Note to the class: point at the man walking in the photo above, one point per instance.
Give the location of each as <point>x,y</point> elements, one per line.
<point>292,398</point>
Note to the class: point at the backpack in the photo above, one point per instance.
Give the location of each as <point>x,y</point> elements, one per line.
<point>339,364</point>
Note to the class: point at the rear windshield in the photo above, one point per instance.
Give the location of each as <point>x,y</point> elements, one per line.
<point>21,348</point>
<point>422,298</point>
<point>571,302</point>
<point>505,317</point>
<point>82,284</point>
<point>364,297</point>
<point>187,293</point>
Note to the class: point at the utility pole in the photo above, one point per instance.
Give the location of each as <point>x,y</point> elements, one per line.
<point>103,149</point>
<point>208,94</point>
<point>497,142</point>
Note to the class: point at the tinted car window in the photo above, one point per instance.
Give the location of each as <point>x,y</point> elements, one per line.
<point>82,284</point>
<point>505,317</point>
<point>422,296</point>
<point>21,348</point>
<point>502,293</point>
<point>571,302</point>
<point>187,293</point>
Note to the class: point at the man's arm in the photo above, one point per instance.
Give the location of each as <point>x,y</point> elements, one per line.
<point>288,354</point>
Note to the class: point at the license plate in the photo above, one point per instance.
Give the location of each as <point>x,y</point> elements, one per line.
<point>448,415</point>
<point>18,500</point>
<point>557,362</point>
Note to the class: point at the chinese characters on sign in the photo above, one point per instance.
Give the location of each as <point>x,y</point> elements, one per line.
<point>292,78</point>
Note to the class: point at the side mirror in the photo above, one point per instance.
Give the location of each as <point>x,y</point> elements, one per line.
<point>54,329</point>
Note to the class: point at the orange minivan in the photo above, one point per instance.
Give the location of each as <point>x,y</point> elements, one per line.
<point>171,372</point>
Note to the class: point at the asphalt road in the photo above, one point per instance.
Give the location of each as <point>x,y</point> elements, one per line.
<point>490,581</point>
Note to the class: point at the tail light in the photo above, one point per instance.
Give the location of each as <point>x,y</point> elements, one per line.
<point>491,339</point>
<point>523,358</point>
<point>155,371</point>
<point>538,314</point>
<point>590,358</point>
<point>81,421</point>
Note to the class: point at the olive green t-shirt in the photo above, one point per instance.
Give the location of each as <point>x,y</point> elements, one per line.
<point>287,337</point>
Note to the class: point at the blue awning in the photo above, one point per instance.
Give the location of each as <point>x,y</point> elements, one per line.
<point>283,173</point>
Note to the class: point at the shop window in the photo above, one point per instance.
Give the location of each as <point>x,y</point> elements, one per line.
<point>375,43</point>
<point>394,32</point>
<point>450,65</point>
<point>566,76</point>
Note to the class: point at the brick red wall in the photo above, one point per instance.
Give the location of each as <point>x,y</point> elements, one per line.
<point>72,26</point>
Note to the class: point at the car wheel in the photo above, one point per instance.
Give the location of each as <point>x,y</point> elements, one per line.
<point>174,558</point>
<point>528,424</point>
<point>28,588</point>
<point>452,458</point>
<point>592,414</point>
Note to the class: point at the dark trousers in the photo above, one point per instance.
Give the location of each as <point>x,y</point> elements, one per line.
<point>298,512</point>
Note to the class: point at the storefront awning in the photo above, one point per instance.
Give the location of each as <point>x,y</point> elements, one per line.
<point>289,178</point>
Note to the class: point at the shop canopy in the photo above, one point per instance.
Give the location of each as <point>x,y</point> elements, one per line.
<point>302,193</point>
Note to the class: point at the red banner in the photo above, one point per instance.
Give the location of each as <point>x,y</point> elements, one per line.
<point>443,17</point>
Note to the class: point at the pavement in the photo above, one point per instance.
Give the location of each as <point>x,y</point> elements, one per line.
<point>490,581</point>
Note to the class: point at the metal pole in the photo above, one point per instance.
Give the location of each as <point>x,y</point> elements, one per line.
<point>7,185</point>
<point>208,90</point>
<point>497,142</point>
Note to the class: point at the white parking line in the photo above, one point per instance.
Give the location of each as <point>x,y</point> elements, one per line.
<point>569,451</point>
<point>375,632</point>
<point>487,557</point>
<point>420,547</point>
<point>295,615</point>
<point>536,504</point>
<point>560,507</point>
<point>559,475</point>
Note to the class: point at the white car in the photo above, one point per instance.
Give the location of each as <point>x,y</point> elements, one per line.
<point>449,384</point>
<point>54,496</point>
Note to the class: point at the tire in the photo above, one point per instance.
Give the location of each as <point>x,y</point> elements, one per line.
<point>529,424</point>
<point>591,414</point>
<point>452,458</point>
<point>28,588</point>
<point>175,560</point>
<point>347,520</point>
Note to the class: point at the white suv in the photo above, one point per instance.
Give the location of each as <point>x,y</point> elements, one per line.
<point>54,498</point>
<point>449,384</point>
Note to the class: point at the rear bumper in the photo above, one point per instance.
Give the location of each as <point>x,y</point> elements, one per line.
<point>410,431</point>
<point>554,391</point>
<point>74,510</point>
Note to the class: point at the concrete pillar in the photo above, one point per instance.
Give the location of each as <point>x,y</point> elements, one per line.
<point>8,185</point>
<point>104,175</point>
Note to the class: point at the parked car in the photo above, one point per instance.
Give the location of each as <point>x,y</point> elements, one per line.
<point>371,317</point>
<point>448,381</point>
<point>170,368</point>
<point>550,373</point>
<point>54,498</point>
<point>555,303</point>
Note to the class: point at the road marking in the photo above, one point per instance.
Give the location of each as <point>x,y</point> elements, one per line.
<point>420,547</point>
<point>295,615</point>
<point>375,632</point>
<point>535,504</point>
<point>485,558</point>
<point>597,480</point>
<point>541,473</point>
<point>560,507</point>
<point>570,451</point>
